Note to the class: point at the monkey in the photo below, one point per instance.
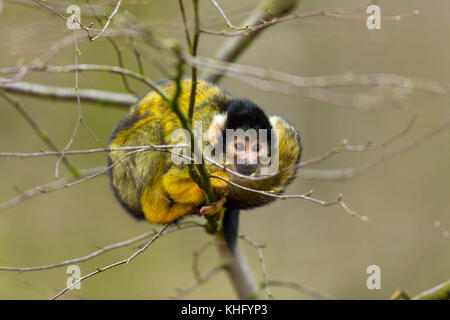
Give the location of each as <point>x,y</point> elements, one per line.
<point>151,185</point>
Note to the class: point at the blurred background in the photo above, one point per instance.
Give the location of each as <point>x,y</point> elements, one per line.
<point>323,248</point>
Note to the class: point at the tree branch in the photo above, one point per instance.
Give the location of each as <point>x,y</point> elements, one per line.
<point>231,49</point>
<point>185,225</point>
<point>64,93</point>
<point>125,261</point>
<point>238,270</point>
<point>440,292</point>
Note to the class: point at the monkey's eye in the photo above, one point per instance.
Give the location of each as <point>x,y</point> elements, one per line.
<point>239,146</point>
<point>256,148</point>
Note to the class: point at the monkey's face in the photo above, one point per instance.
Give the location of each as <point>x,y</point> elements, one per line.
<point>245,154</point>
<point>246,133</point>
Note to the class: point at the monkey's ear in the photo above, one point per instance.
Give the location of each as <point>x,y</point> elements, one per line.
<point>216,128</point>
<point>273,119</point>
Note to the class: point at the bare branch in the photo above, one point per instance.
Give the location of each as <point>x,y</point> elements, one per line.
<point>79,116</point>
<point>238,271</point>
<point>185,225</point>
<point>39,131</point>
<point>202,279</point>
<point>440,292</point>
<point>62,93</point>
<point>195,260</point>
<point>60,15</point>
<point>38,190</point>
<point>90,67</point>
<point>307,196</point>
<point>344,146</point>
<point>348,173</point>
<point>108,21</point>
<point>400,294</point>
<point>118,51</point>
<point>261,261</point>
<point>88,151</point>
<point>227,20</point>
<point>348,79</point>
<point>301,288</point>
<point>233,47</point>
<point>332,12</point>
<point>125,261</point>
<point>193,51</point>
<point>63,184</point>
<point>186,27</point>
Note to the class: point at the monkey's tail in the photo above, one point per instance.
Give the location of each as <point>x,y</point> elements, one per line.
<point>230,225</point>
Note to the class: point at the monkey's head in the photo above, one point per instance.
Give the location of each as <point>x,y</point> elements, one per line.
<point>242,135</point>
<point>264,147</point>
<point>247,136</point>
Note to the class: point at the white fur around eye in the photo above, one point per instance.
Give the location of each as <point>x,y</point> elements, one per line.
<point>216,127</point>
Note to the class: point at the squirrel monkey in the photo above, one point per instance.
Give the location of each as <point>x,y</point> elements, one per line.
<point>149,184</point>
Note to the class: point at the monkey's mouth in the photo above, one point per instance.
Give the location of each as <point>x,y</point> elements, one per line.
<point>246,169</point>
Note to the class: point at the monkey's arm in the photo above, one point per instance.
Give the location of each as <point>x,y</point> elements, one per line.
<point>184,194</point>
<point>182,189</point>
<point>158,208</point>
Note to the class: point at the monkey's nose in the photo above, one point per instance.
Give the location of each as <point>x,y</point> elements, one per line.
<point>246,169</point>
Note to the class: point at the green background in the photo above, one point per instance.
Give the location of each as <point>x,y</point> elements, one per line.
<point>320,247</point>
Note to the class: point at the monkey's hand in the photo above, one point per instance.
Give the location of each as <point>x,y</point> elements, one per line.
<point>222,188</point>
<point>214,207</point>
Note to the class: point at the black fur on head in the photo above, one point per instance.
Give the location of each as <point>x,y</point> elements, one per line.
<point>245,114</point>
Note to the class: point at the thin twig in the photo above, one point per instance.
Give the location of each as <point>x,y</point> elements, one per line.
<point>350,79</point>
<point>440,292</point>
<point>39,131</point>
<point>125,261</point>
<point>195,260</point>
<point>60,15</point>
<point>227,20</point>
<point>118,51</point>
<point>108,21</point>
<point>307,196</point>
<point>301,288</point>
<point>186,27</point>
<point>37,190</point>
<point>62,183</point>
<point>193,51</point>
<point>348,173</point>
<point>89,151</point>
<point>107,98</point>
<point>92,67</point>
<point>79,116</point>
<point>261,261</point>
<point>203,278</point>
<point>138,57</point>
<point>102,250</point>
<point>344,146</point>
<point>332,12</point>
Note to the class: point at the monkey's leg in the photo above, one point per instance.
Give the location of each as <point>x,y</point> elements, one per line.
<point>181,188</point>
<point>158,209</point>
<point>221,187</point>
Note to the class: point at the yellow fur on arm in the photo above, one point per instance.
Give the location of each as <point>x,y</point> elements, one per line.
<point>158,210</point>
<point>181,188</point>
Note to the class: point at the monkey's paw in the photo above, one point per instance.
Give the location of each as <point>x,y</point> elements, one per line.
<point>214,207</point>
<point>220,187</point>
